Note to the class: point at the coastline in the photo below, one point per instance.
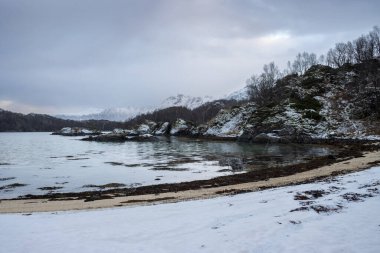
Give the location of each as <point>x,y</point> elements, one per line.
<point>44,204</point>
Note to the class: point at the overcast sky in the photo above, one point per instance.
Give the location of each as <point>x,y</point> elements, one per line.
<point>77,56</point>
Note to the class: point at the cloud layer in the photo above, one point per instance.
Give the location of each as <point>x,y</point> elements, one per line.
<point>71,56</point>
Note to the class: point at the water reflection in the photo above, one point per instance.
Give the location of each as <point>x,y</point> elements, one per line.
<point>39,160</point>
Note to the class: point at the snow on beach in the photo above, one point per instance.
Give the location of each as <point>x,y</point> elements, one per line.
<point>336,215</point>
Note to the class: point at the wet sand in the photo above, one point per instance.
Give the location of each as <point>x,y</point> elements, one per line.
<point>30,205</point>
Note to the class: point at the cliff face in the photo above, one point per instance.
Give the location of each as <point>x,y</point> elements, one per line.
<point>322,103</point>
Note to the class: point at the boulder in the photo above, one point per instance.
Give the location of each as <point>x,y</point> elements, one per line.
<point>146,128</point>
<point>162,129</point>
<point>182,128</point>
<point>246,136</point>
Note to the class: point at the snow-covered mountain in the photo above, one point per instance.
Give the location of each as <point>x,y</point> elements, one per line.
<point>238,95</point>
<point>122,114</point>
<point>185,101</point>
<point>112,114</point>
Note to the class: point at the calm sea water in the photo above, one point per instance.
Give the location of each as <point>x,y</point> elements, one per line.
<point>43,160</point>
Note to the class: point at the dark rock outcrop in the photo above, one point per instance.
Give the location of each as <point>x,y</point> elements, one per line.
<point>183,128</point>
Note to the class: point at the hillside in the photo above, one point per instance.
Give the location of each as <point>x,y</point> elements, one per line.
<point>17,122</point>
<point>323,103</point>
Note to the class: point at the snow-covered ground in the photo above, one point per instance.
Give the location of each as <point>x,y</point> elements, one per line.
<point>337,215</point>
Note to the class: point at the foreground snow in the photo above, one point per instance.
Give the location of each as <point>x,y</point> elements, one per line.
<point>348,221</point>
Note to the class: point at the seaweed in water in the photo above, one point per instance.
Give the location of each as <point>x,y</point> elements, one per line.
<point>50,188</point>
<point>11,186</point>
<point>110,185</point>
<point>6,178</point>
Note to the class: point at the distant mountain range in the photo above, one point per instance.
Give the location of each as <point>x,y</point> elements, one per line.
<point>123,114</point>
<point>111,114</point>
<point>196,109</point>
<point>18,122</point>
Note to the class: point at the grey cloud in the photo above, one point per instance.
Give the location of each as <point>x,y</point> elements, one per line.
<point>136,53</point>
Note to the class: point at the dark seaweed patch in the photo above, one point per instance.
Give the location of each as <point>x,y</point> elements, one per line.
<point>355,197</point>
<point>6,178</point>
<point>110,185</point>
<point>12,186</point>
<point>164,168</point>
<point>303,208</point>
<point>115,163</point>
<point>50,188</point>
<point>308,195</point>
<point>326,209</point>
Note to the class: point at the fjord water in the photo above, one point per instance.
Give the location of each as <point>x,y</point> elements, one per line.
<point>68,164</point>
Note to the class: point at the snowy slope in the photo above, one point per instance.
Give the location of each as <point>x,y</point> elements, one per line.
<point>266,221</point>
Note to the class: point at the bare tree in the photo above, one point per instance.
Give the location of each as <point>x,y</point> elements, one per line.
<point>341,54</point>
<point>302,63</point>
<point>364,48</point>
<point>375,38</point>
<point>261,88</point>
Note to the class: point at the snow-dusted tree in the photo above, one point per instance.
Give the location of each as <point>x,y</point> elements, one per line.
<point>375,38</point>
<point>341,54</point>
<point>302,63</point>
<point>364,48</point>
<point>261,87</point>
